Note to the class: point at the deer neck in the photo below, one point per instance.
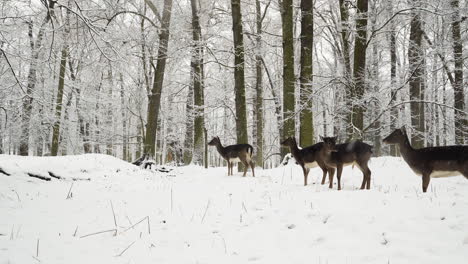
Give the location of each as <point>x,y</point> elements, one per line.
<point>406,149</point>
<point>295,151</point>
<point>220,149</point>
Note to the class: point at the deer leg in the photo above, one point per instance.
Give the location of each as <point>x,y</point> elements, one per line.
<point>369,173</point>
<point>229,168</point>
<point>306,173</point>
<point>331,173</point>
<point>426,178</point>
<point>339,170</point>
<point>246,166</point>
<point>252,165</point>
<point>364,175</point>
<point>324,170</point>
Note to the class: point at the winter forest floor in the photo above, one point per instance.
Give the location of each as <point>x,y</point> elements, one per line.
<point>193,215</point>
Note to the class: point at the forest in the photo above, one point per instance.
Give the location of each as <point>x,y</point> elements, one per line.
<point>163,77</point>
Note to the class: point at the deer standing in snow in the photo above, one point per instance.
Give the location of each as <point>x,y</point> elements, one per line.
<point>306,157</point>
<point>432,161</point>
<point>340,155</point>
<point>234,154</point>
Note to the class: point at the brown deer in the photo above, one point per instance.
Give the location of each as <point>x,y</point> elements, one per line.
<point>235,153</point>
<point>306,157</point>
<point>432,161</point>
<point>352,153</point>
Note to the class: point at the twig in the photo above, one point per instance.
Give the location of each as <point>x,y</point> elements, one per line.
<point>11,234</point>
<point>245,209</point>
<point>113,213</point>
<point>144,218</point>
<point>206,210</point>
<point>17,195</point>
<point>100,232</point>
<point>171,201</point>
<point>149,226</point>
<point>69,191</point>
<point>37,248</point>
<point>76,230</point>
<point>119,255</point>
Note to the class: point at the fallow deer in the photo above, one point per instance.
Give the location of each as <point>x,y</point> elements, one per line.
<point>306,157</point>
<point>235,153</point>
<point>432,161</point>
<point>352,153</point>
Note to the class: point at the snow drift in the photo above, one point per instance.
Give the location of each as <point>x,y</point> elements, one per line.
<point>124,214</point>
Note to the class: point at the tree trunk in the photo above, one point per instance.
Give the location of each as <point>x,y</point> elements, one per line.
<point>258,105</point>
<point>416,83</point>
<point>188,143</point>
<point>58,107</point>
<point>461,121</point>
<point>306,136</point>
<point>289,124</point>
<point>344,15</point>
<point>32,79</point>
<point>198,142</point>
<point>239,83</point>
<point>375,104</point>
<point>125,155</point>
<point>154,100</point>
<point>359,69</point>
<point>393,80</point>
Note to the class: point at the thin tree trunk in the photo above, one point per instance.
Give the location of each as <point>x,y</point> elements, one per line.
<point>188,143</point>
<point>306,135</point>
<point>32,79</point>
<point>359,69</point>
<point>239,80</point>
<point>461,120</point>
<point>393,79</point>
<point>289,123</point>
<point>125,155</point>
<point>258,105</point>
<point>58,107</point>
<point>416,68</point>
<point>154,100</point>
<point>344,15</point>
<point>198,142</point>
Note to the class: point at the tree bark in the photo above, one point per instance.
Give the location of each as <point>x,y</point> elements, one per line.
<point>58,108</point>
<point>239,80</point>
<point>359,69</point>
<point>197,68</point>
<point>344,15</point>
<point>154,100</point>
<point>461,121</point>
<point>32,79</point>
<point>258,105</point>
<point>289,123</point>
<point>416,83</point>
<point>393,80</point>
<point>306,134</point>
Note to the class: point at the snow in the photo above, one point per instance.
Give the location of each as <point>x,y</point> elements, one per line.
<point>197,215</point>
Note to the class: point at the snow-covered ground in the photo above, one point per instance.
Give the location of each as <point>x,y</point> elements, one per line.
<point>193,215</point>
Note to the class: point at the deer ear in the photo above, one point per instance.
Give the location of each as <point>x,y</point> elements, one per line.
<point>335,138</point>
<point>321,137</point>
<point>403,129</point>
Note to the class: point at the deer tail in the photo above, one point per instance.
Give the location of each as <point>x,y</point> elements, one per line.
<point>250,151</point>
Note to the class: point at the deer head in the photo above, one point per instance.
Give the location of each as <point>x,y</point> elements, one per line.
<point>289,142</point>
<point>329,143</point>
<point>215,141</point>
<point>396,136</point>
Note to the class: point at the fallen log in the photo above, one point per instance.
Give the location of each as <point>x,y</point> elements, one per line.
<point>41,177</point>
<point>4,172</point>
